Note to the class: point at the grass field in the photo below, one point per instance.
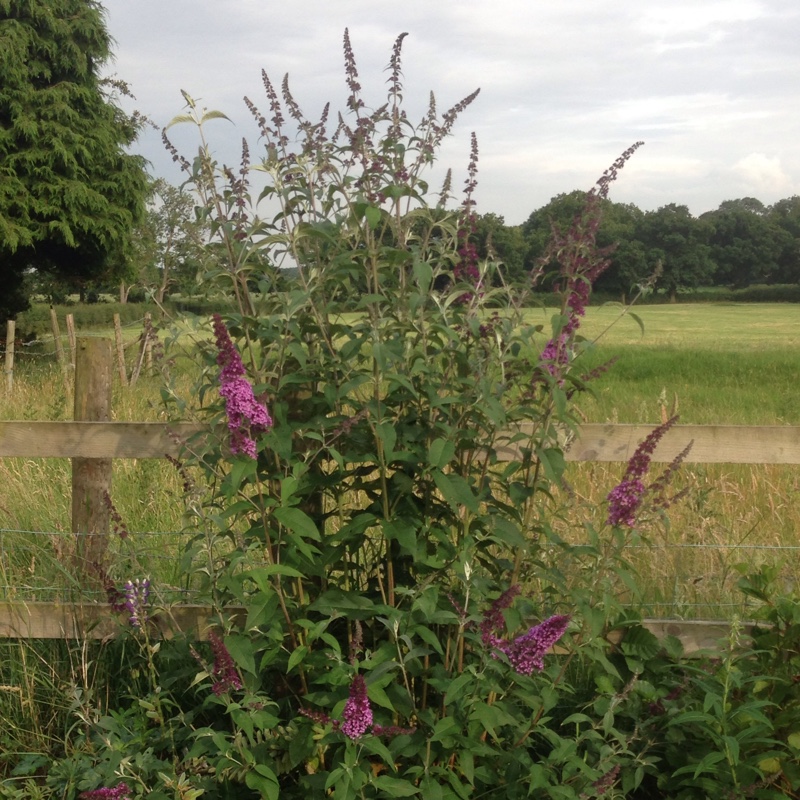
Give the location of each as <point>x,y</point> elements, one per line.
<point>720,363</point>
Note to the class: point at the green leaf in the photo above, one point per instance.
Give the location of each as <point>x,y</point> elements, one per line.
<point>423,274</point>
<point>298,654</point>
<point>402,532</point>
<point>242,651</point>
<point>388,437</point>
<point>396,787</point>
<point>379,696</point>
<point>298,522</point>
<point>337,602</point>
<point>445,727</point>
<point>262,779</point>
<point>241,467</point>
<point>455,687</point>
<point>638,320</point>
<point>209,115</point>
<point>441,452</point>
<point>456,491</point>
<point>373,216</point>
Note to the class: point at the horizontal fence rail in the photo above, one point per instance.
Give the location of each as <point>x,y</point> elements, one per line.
<point>93,442</point>
<point>43,620</point>
<point>711,444</point>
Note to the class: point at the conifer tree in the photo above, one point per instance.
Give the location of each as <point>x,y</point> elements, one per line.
<point>69,192</point>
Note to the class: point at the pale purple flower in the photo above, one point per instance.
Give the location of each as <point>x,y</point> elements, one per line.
<point>624,501</point>
<point>526,652</point>
<point>246,416</point>
<point>137,595</point>
<point>357,715</point>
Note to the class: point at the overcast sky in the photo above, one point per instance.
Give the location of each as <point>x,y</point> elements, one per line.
<point>711,86</point>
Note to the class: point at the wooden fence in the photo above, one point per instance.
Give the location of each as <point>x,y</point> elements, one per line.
<point>92,441</point>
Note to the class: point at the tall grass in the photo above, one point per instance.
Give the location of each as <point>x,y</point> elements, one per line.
<point>721,363</point>
<point>713,364</point>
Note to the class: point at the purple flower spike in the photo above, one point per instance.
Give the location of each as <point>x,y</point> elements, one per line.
<point>625,499</point>
<point>526,652</point>
<point>224,672</point>
<point>246,416</point>
<point>137,595</point>
<point>120,792</point>
<point>357,716</point>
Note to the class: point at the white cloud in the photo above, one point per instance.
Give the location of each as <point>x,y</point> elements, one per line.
<point>764,174</point>
<point>566,86</point>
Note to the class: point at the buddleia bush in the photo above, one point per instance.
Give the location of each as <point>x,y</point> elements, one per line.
<point>400,609</point>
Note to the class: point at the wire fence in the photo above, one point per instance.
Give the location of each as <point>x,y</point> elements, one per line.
<point>681,581</point>
<point>40,566</point>
<point>44,347</point>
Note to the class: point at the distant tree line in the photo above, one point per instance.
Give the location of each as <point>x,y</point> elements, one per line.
<point>741,243</point>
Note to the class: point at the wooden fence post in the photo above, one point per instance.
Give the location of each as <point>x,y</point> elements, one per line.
<point>123,373</point>
<point>70,319</point>
<point>91,477</point>
<point>10,355</point>
<point>57,337</point>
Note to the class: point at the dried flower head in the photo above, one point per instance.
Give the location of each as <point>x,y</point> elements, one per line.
<point>493,620</point>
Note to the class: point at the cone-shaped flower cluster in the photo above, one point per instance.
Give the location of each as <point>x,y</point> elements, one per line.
<point>120,792</point>
<point>224,672</point>
<point>625,499</point>
<point>137,595</point>
<point>357,719</point>
<point>526,652</point>
<point>246,416</point>
<point>357,715</point>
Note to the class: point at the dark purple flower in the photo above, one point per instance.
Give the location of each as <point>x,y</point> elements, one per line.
<point>625,499</point>
<point>357,715</point>
<point>120,792</point>
<point>526,652</point>
<point>493,619</point>
<point>246,416</point>
<point>224,672</point>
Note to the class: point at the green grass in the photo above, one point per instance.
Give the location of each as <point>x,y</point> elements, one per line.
<point>729,364</point>
<point>717,363</point>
